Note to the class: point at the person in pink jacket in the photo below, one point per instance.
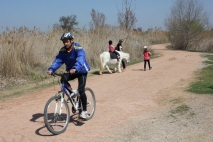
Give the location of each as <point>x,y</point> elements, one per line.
<point>112,50</point>
<point>146,56</point>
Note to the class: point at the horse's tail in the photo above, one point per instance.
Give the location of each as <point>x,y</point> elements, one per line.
<point>101,62</point>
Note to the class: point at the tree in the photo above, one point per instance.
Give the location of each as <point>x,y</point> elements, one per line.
<point>68,23</point>
<point>98,19</point>
<point>186,23</point>
<point>126,17</point>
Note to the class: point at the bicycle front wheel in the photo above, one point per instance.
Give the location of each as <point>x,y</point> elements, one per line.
<point>91,103</point>
<point>56,114</point>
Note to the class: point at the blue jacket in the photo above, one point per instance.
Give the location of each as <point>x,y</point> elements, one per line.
<point>75,59</point>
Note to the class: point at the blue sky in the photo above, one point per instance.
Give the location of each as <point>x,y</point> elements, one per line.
<point>45,13</point>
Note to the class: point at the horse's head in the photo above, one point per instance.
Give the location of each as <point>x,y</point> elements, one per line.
<point>126,57</point>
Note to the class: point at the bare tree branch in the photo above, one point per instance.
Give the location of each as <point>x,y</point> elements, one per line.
<point>98,19</point>
<point>126,17</point>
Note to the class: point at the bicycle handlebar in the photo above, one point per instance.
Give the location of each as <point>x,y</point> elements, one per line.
<point>58,74</point>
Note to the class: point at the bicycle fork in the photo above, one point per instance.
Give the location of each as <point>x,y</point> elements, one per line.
<point>61,104</point>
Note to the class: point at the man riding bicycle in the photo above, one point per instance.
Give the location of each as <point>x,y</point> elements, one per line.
<point>73,56</point>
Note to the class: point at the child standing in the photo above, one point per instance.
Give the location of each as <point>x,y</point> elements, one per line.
<point>146,56</point>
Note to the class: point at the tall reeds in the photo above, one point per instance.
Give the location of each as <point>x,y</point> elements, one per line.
<point>25,52</point>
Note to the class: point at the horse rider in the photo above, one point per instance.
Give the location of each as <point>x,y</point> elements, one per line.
<point>112,50</point>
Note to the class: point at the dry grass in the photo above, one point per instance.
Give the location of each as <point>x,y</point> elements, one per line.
<point>26,54</point>
<point>204,44</point>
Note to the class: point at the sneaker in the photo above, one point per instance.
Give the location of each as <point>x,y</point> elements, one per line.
<point>84,114</point>
<point>150,68</point>
<point>144,69</point>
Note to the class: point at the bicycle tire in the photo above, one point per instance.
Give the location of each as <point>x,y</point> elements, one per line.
<point>91,103</point>
<point>55,122</point>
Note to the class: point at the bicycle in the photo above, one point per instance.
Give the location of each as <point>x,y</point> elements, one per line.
<point>57,120</point>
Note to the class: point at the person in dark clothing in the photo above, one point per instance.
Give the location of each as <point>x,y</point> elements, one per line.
<point>74,57</point>
<point>120,48</point>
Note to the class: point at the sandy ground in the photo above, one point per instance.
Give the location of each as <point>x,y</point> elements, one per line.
<point>134,106</point>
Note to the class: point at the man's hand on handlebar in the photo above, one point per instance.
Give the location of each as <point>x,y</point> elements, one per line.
<point>49,72</point>
<point>72,71</point>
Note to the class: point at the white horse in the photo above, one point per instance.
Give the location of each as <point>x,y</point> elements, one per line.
<point>105,60</point>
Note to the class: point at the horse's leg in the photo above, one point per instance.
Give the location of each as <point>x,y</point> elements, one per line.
<point>100,72</point>
<point>115,69</point>
<point>119,66</point>
<point>102,68</point>
<point>101,64</point>
<point>108,69</point>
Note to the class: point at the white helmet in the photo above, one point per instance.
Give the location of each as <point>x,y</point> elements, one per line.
<point>145,47</point>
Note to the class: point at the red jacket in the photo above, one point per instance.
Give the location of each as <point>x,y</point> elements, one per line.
<point>111,48</point>
<point>146,55</point>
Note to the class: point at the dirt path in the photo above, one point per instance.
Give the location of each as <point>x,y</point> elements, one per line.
<point>131,106</point>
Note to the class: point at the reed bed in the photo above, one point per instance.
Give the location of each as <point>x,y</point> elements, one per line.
<point>205,44</point>
<point>26,54</point>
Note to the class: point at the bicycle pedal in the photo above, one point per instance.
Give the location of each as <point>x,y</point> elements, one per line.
<point>73,110</point>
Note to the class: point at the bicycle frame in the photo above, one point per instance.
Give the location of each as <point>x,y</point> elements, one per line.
<point>68,94</point>
<point>63,88</point>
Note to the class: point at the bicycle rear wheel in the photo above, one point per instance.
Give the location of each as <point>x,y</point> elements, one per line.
<point>56,114</point>
<point>91,103</point>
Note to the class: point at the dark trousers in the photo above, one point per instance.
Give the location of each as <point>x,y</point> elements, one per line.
<point>123,64</point>
<point>145,63</point>
<point>81,86</point>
